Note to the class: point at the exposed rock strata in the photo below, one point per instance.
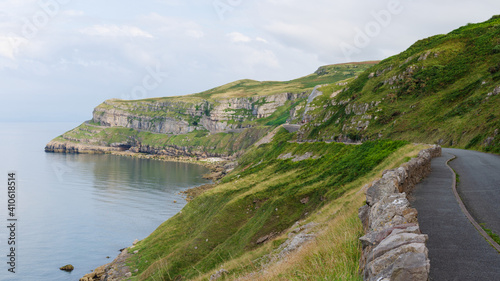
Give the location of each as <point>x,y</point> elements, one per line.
<point>393,247</point>
<point>70,147</point>
<point>114,271</point>
<point>179,117</point>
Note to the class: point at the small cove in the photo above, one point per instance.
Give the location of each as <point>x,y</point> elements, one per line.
<point>80,209</point>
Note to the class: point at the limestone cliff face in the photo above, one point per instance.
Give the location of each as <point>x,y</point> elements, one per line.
<point>69,147</point>
<point>181,117</point>
<point>118,114</point>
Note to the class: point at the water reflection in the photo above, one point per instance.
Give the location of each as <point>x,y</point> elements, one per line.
<point>81,208</point>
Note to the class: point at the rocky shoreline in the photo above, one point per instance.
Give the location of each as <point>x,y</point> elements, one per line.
<point>218,166</point>
<point>117,269</point>
<point>114,271</point>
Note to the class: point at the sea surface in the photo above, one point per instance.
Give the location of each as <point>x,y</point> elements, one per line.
<point>79,209</point>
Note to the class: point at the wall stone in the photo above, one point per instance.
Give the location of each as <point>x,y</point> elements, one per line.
<point>393,246</point>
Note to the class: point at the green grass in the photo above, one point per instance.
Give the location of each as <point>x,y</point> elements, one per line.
<point>192,108</point>
<point>262,196</point>
<point>325,75</point>
<point>493,235</point>
<point>195,143</point>
<point>441,99</point>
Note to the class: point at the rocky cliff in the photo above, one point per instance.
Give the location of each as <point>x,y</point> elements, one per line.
<point>182,117</point>
<point>223,121</point>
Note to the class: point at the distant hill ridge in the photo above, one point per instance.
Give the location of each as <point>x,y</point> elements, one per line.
<point>443,89</point>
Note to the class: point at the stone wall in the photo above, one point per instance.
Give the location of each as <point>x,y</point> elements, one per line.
<point>393,247</point>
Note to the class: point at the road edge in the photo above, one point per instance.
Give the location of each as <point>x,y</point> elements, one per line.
<point>464,209</point>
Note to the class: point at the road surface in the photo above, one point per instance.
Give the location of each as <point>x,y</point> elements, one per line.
<point>456,249</point>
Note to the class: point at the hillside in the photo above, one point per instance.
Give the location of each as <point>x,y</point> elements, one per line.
<point>219,122</point>
<point>303,185</point>
<point>443,89</point>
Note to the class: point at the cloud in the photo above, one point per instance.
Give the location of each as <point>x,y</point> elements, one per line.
<point>259,39</point>
<point>9,45</point>
<point>197,34</point>
<point>102,53</point>
<point>111,30</point>
<point>237,37</point>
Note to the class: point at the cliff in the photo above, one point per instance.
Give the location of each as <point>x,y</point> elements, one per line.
<point>182,117</point>
<point>223,121</point>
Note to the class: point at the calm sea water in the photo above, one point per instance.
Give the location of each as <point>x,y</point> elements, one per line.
<point>79,209</point>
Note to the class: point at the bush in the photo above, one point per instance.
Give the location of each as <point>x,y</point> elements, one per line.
<point>494,69</point>
<point>496,49</point>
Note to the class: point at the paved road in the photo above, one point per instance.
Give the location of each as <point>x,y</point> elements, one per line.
<point>456,249</point>
<point>479,185</point>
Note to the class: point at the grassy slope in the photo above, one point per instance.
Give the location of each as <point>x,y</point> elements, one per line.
<point>262,197</point>
<point>247,87</point>
<point>442,98</point>
<point>200,141</point>
<point>177,107</point>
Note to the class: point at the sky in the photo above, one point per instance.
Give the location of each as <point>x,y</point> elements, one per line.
<point>61,58</point>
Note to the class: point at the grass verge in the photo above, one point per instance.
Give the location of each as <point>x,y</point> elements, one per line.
<point>266,196</point>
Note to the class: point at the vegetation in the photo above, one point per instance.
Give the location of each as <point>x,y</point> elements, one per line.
<point>197,142</point>
<point>440,90</point>
<point>265,196</point>
<point>443,89</point>
<point>325,75</point>
<point>490,232</point>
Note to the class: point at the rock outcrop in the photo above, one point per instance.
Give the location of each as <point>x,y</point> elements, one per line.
<point>393,247</point>
<point>70,147</point>
<point>182,117</point>
<point>114,271</point>
<point>68,267</point>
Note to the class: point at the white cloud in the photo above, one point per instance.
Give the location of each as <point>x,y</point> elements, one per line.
<point>9,45</point>
<point>111,30</point>
<point>237,37</point>
<point>259,39</point>
<point>197,34</point>
<point>110,47</point>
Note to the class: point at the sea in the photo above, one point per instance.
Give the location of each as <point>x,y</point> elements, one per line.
<point>77,209</point>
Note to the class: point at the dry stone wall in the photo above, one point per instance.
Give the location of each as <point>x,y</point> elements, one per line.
<point>394,248</point>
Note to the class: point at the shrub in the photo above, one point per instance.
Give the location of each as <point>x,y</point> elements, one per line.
<point>496,49</point>
<point>494,69</point>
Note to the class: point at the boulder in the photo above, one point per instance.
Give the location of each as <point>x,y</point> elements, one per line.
<point>364,216</point>
<point>380,189</point>
<point>383,266</point>
<point>388,212</point>
<point>411,266</point>
<point>68,267</point>
<point>375,237</point>
<point>219,274</point>
<point>394,241</point>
